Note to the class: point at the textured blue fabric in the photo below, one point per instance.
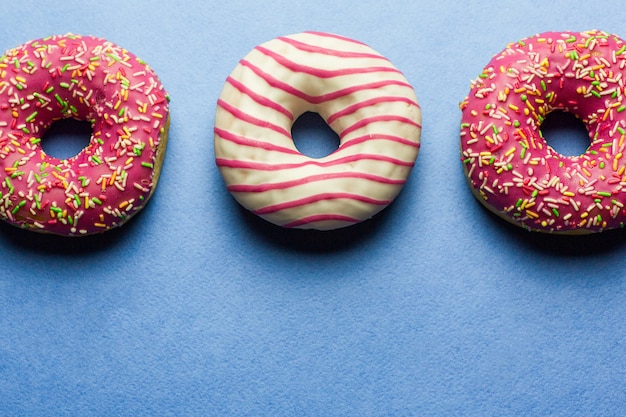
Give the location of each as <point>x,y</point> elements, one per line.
<point>195,307</point>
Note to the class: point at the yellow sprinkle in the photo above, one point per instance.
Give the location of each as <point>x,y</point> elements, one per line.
<point>100,225</point>
<point>123,204</point>
<point>159,116</point>
<point>586,172</point>
<point>510,151</point>
<point>584,215</point>
<point>569,194</point>
<point>532,214</point>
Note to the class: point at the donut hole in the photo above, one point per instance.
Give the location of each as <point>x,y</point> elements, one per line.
<point>313,137</point>
<point>565,133</point>
<point>66,138</point>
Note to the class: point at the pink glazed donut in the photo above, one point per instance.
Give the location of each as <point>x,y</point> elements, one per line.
<point>362,97</point>
<point>509,166</point>
<point>88,79</point>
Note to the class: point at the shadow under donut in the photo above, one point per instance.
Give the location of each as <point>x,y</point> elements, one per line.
<point>316,241</point>
<point>50,244</point>
<point>557,245</point>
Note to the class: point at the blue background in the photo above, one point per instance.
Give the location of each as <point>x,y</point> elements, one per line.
<point>195,307</point>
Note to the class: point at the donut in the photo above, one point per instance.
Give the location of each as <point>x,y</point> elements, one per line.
<point>111,179</point>
<point>509,166</point>
<point>364,99</point>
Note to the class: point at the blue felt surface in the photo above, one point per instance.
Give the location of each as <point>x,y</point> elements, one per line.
<point>195,307</point>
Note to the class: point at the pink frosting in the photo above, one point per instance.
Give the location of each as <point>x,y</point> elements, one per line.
<point>509,164</point>
<point>90,79</point>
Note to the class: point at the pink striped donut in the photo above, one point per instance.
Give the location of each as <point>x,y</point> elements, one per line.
<point>359,93</point>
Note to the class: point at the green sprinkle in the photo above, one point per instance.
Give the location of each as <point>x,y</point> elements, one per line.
<point>19,86</point>
<point>556,212</point>
<point>97,201</point>
<point>97,160</point>
<point>621,130</point>
<point>571,39</point>
<point>523,152</point>
<point>509,167</point>
<point>77,200</point>
<point>621,50</point>
<point>147,165</point>
<point>621,109</point>
<point>17,174</point>
<point>57,210</point>
<point>543,85</point>
<point>31,117</point>
<point>596,94</point>
<point>602,165</point>
<point>49,90</point>
<point>19,206</point>
<point>603,194</point>
<point>534,194</point>
<point>65,67</point>
<point>37,202</point>
<point>524,97</point>
<point>519,203</point>
<point>516,123</point>
<point>64,85</point>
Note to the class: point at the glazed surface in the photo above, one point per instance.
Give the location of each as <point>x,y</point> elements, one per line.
<point>362,97</point>
<point>94,80</point>
<point>510,167</point>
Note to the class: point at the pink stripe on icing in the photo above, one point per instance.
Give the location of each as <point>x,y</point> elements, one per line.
<point>237,163</point>
<point>319,50</point>
<point>320,197</point>
<point>317,72</point>
<point>366,138</point>
<point>371,102</point>
<point>384,118</point>
<point>251,119</point>
<point>244,141</point>
<point>259,188</point>
<point>262,100</point>
<point>321,218</point>
<point>324,97</point>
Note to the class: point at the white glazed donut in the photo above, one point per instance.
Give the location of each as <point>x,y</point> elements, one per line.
<point>359,93</point>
